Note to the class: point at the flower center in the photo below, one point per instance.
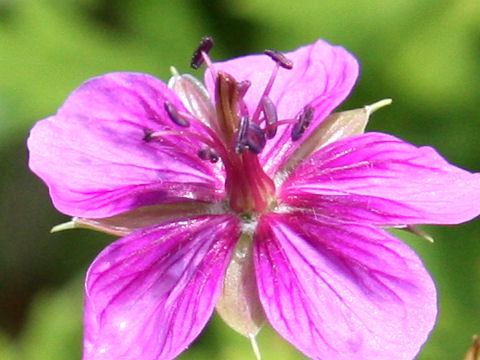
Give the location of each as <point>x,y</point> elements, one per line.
<point>232,133</point>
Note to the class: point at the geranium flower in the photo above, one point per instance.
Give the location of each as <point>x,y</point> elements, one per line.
<point>247,196</point>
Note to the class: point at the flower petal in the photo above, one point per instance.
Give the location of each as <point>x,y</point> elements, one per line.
<point>383,180</point>
<point>150,294</point>
<point>97,159</point>
<point>322,75</point>
<point>342,290</point>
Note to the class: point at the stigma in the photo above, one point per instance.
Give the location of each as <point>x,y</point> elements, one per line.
<point>235,132</point>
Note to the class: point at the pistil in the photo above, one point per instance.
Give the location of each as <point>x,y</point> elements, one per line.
<point>249,188</point>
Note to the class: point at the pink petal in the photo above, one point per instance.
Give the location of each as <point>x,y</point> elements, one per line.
<point>94,157</point>
<point>342,290</point>
<point>382,180</point>
<point>150,294</point>
<point>322,75</point>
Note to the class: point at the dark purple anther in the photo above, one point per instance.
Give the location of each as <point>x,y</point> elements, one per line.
<point>279,58</point>
<point>147,135</point>
<point>174,115</point>
<point>270,113</point>
<point>205,46</point>
<point>207,153</point>
<point>250,136</point>
<point>304,120</point>
<point>242,87</point>
<point>256,138</point>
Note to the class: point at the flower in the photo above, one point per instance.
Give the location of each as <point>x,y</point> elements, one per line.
<point>248,196</point>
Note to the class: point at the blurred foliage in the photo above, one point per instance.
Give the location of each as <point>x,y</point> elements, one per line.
<point>425,54</point>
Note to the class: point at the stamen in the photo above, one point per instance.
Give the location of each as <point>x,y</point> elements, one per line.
<point>271,117</point>
<point>243,86</point>
<point>147,135</point>
<point>205,46</point>
<point>279,58</point>
<point>174,115</point>
<point>303,122</point>
<point>280,61</point>
<point>208,153</point>
<point>250,136</point>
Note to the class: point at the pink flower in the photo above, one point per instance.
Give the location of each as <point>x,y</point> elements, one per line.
<point>248,197</point>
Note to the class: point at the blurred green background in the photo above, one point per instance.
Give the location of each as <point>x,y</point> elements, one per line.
<point>425,54</point>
